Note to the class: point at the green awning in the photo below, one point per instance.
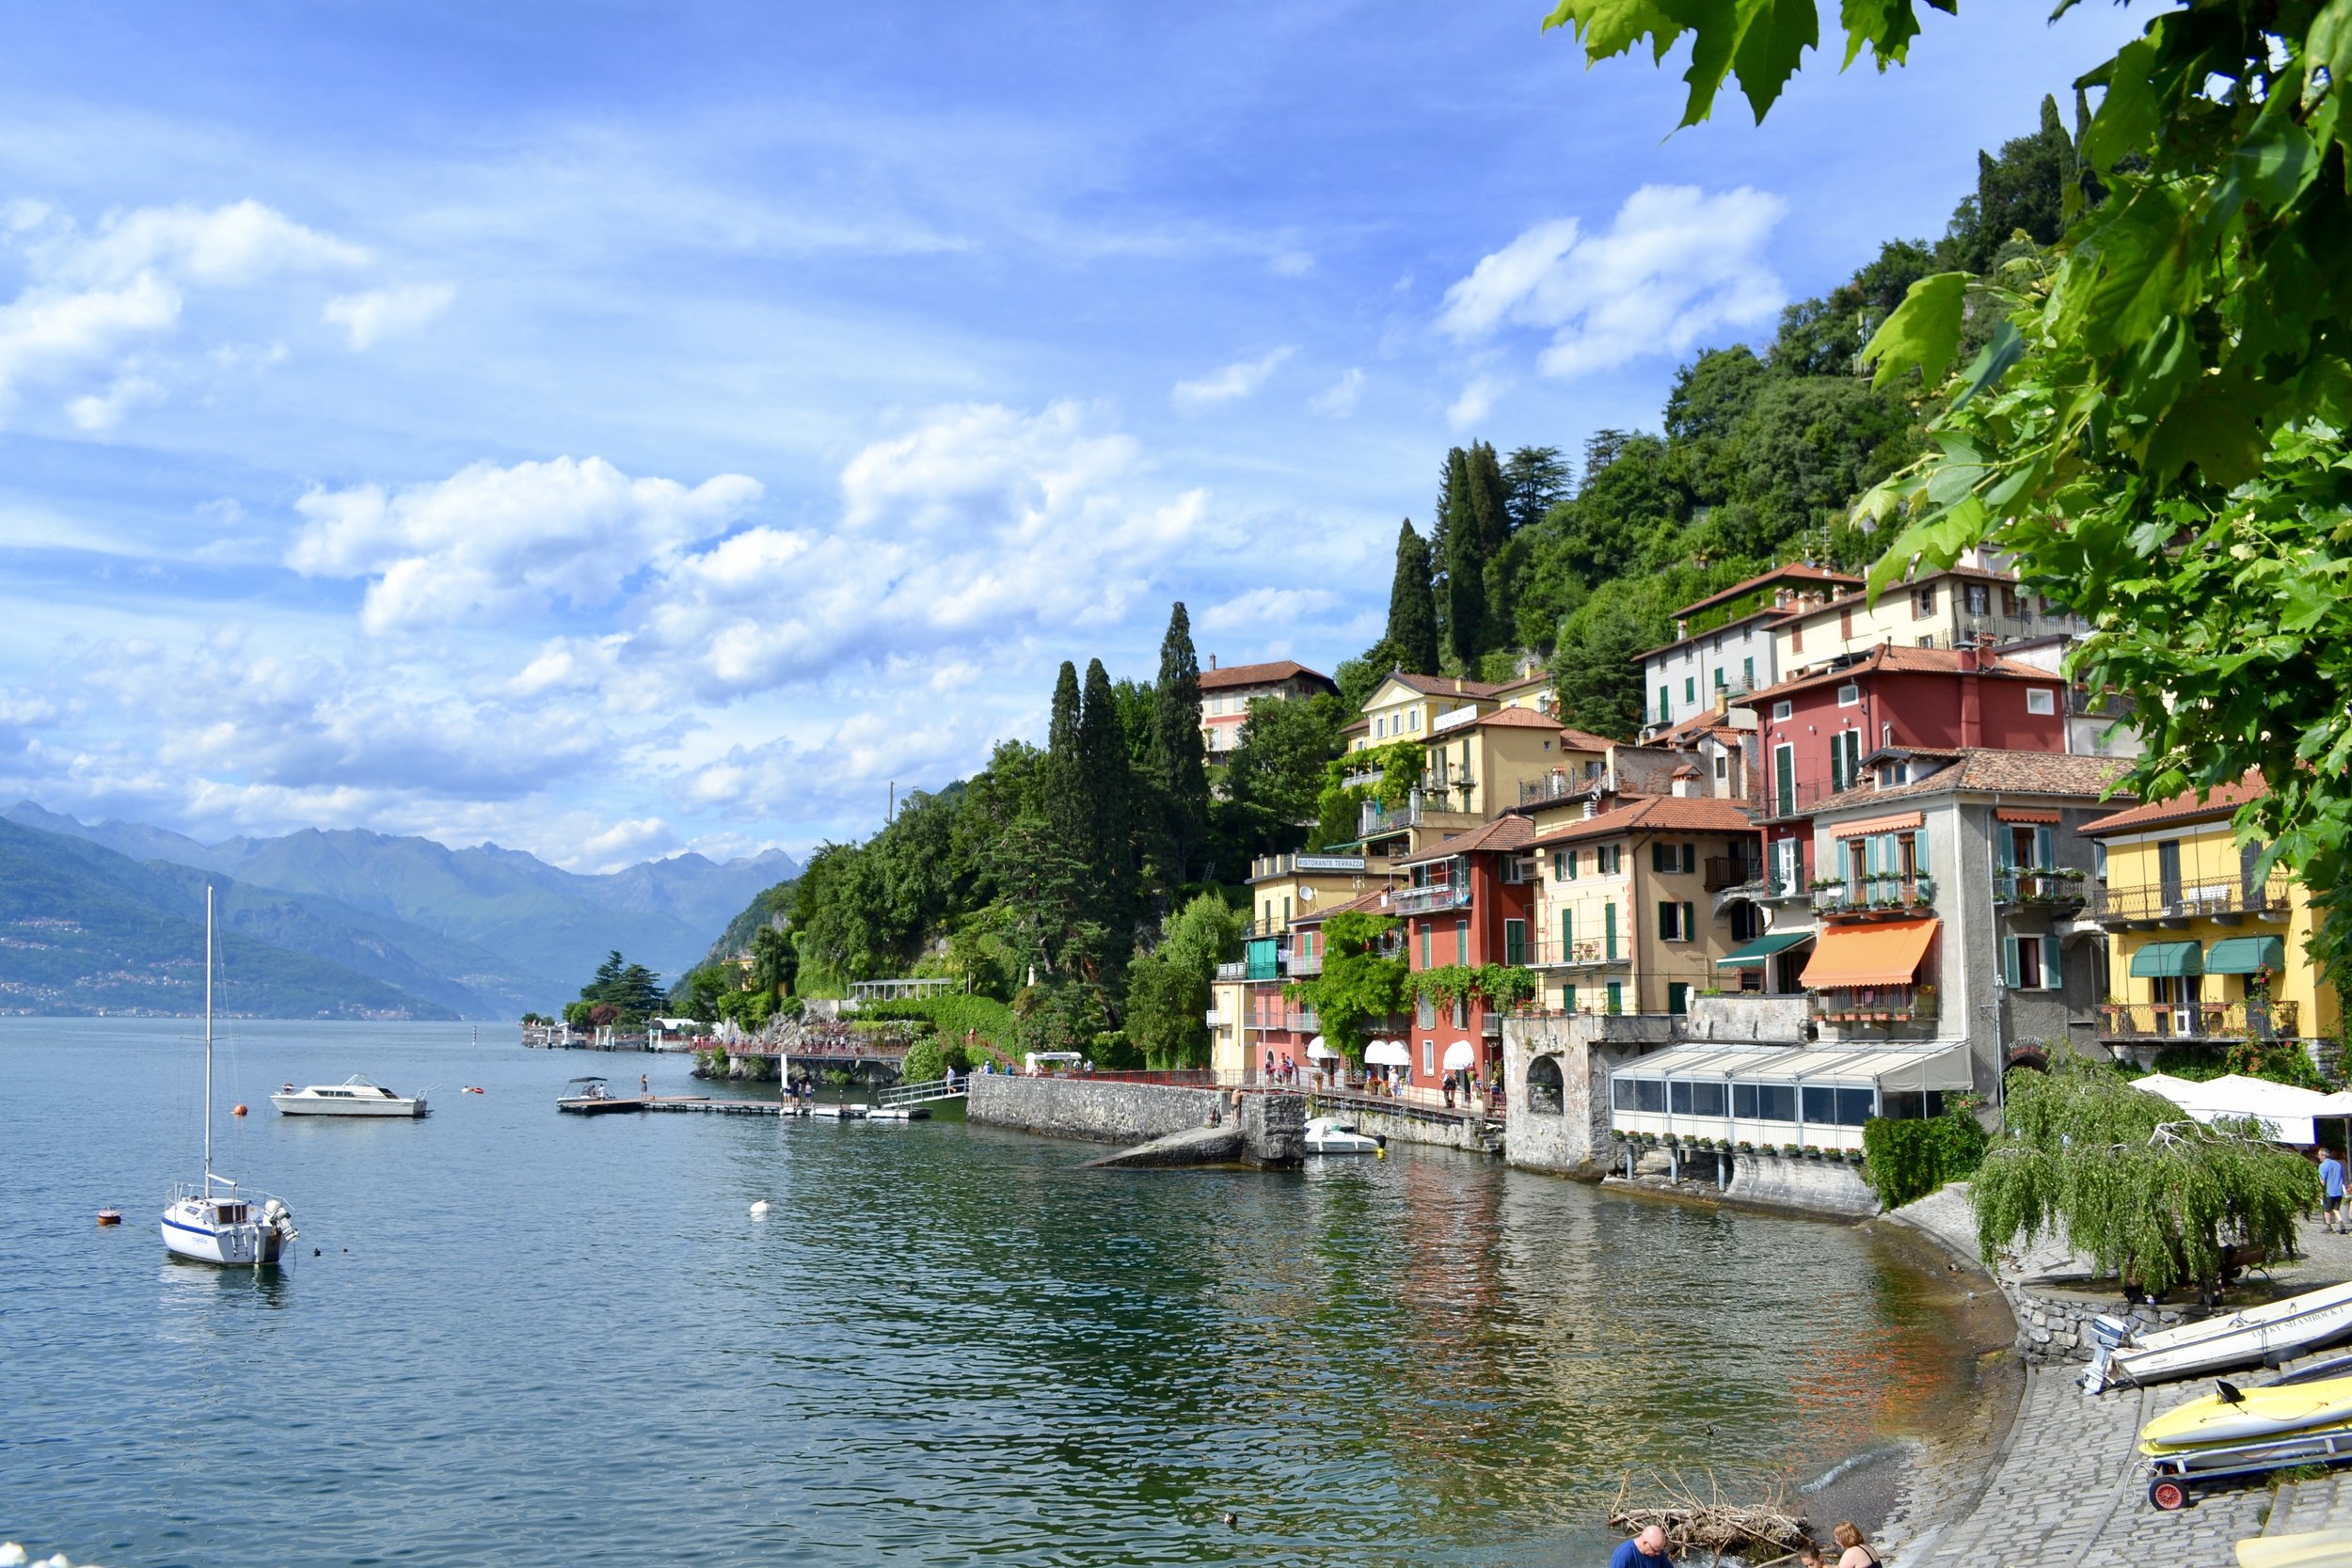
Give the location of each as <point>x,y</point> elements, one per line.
<point>1762,948</point>
<point>2246,956</point>
<point>2164,960</point>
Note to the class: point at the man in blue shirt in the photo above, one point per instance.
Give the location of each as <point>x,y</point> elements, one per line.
<point>2331,1191</point>
<point>1645,1550</point>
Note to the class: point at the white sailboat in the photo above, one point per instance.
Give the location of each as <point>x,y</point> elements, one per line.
<point>211,1221</point>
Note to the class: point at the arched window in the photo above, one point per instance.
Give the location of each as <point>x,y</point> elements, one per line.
<point>1543,1085</point>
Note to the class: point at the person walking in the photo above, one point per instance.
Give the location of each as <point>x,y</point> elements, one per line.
<point>644,1086</point>
<point>1645,1550</point>
<point>1856,1552</point>
<point>2331,1192</point>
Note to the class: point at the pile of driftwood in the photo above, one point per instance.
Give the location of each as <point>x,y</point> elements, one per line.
<point>1767,1531</point>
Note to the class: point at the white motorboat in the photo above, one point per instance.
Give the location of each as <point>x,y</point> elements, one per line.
<point>1330,1135</point>
<point>2276,1328</point>
<point>356,1096</point>
<point>211,1221</point>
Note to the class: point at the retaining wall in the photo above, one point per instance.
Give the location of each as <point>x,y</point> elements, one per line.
<point>1816,1186</point>
<point>1084,1108</point>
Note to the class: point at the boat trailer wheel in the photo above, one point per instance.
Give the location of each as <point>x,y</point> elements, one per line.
<point>2168,1496</point>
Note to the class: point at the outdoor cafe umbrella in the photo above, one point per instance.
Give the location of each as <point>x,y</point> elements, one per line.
<point>1458,1056</point>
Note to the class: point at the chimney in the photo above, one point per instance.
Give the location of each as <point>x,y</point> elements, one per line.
<point>1682,629</point>
<point>1458,685</point>
<point>1213,661</point>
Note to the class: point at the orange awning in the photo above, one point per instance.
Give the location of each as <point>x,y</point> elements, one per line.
<point>1885,954</point>
<point>2012,814</point>
<point>1869,825</point>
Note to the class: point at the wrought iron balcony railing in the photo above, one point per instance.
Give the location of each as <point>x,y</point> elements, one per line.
<point>2187,900</point>
<point>1436,895</point>
<point>1887,893</point>
<point>2199,1021</point>
<point>2063,887</point>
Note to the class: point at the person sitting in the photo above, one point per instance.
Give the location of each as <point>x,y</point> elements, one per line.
<point>1856,1552</point>
<point>1645,1550</point>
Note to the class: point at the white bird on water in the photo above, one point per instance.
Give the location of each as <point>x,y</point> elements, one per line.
<point>759,1209</point>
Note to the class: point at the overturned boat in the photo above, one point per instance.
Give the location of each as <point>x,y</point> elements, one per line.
<point>2275,1330</point>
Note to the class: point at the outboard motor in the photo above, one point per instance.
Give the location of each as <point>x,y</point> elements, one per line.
<point>2109,1335</point>
<point>278,1217</point>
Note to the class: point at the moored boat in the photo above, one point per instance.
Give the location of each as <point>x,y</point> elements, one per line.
<point>587,1097</point>
<point>1330,1135</point>
<point>356,1096</point>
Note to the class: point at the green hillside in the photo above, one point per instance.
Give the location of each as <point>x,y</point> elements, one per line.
<point>86,930</point>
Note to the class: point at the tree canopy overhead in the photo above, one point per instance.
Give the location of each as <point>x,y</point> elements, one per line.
<point>2147,414</point>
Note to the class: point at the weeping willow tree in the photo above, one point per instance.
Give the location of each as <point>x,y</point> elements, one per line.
<point>2135,1187</point>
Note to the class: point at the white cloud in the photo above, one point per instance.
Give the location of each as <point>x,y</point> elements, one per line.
<point>490,540</point>
<point>1292,263</point>
<point>1339,399</point>
<point>98,411</point>
<point>90,297</point>
<point>1267,612</point>
<point>1476,401</point>
<point>1675,265</point>
<point>1237,380</point>
<point>626,843</point>
<point>380,313</point>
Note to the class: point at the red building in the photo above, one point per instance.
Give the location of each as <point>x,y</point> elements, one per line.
<point>1471,901</point>
<point>1818,730</point>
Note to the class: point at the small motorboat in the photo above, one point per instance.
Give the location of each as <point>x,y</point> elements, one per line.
<point>2234,1415</point>
<point>1330,1135</point>
<point>899,1113</point>
<point>472,1088</point>
<point>356,1096</point>
<point>838,1113</point>
<point>2277,1329</point>
<point>588,1097</point>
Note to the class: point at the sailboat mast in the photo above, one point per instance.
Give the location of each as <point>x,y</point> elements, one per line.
<point>208,1036</point>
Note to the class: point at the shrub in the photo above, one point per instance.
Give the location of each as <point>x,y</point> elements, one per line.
<point>1907,1159</point>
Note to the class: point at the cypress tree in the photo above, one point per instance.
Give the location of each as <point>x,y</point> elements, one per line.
<point>1108,847</point>
<point>1179,762</point>
<point>1413,604</point>
<point>1465,565</point>
<point>1064,782</point>
<point>1441,546</point>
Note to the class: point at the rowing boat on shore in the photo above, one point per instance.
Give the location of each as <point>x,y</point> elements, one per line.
<point>2276,1328</point>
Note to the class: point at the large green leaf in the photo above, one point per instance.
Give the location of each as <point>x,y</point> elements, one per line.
<point>1609,27</point>
<point>1924,331</point>
<point>2141,267</point>
<point>1992,362</point>
<point>1885,26</point>
<point>1763,40</point>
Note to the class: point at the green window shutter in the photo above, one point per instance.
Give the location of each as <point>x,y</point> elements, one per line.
<point>2044,849</point>
<point>1690,689</point>
<point>1836,767</point>
<point>1616,997</point>
<point>1568,999</point>
<point>1665,920</point>
<point>1461,941</point>
<point>1515,942</point>
<point>1559,867</point>
<point>1567,935</point>
<point>1425,946</point>
<point>1689,922</point>
<point>2053,978</point>
<point>1608,930</point>
<point>2009,960</point>
<point>1658,857</point>
<point>1571,866</point>
<point>1677,997</point>
<point>1690,858</point>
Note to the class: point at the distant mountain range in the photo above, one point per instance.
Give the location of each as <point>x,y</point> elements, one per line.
<point>406,926</point>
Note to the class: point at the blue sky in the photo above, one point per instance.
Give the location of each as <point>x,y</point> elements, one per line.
<point>609,430</point>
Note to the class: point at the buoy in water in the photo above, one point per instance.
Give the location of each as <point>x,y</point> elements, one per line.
<point>759,1209</point>
<point>473,1088</point>
<point>239,1111</point>
<point>110,1216</point>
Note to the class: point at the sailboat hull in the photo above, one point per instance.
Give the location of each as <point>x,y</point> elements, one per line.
<point>188,1232</point>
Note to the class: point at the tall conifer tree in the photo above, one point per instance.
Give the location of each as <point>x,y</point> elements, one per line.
<point>1466,550</point>
<point>1064,782</point>
<point>1179,770</point>
<point>1109,844</point>
<point>1413,604</point>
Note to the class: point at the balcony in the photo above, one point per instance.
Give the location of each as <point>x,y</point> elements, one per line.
<point>1558,784</point>
<point>1436,895</point>
<point>2060,890</point>
<point>1363,780</point>
<point>1892,893</point>
<point>2199,1021</point>
<point>2177,903</point>
<point>1862,1007</point>
<point>1234,971</point>
<point>1587,953</point>
<point>1725,871</point>
<point>1306,963</point>
<point>1217,1017</point>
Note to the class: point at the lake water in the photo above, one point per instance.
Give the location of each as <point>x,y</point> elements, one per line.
<point>535,1338</point>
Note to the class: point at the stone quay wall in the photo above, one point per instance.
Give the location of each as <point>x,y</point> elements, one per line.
<point>1091,1109</point>
<point>2056,1325</point>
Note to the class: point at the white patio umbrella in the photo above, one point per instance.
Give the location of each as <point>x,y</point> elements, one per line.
<point>1388,1053</point>
<point>1458,1056</point>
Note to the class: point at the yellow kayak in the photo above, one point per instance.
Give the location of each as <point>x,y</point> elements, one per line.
<point>2323,1549</point>
<point>2248,1415</point>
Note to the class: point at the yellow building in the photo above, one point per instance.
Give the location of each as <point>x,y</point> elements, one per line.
<point>1624,901</point>
<point>2201,951</point>
<point>1408,707</point>
<point>1939,609</point>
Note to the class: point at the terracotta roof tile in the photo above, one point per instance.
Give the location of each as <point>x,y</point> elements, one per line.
<point>1503,832</point>
<point>1987,771</point>
<point>1583,740</point>
<point>1895,659</point>
<point>1373,902</point>
<point>1797,572</point>
<point>1515,718</point>
<point>1651,814</point>
<point>1260,674</point>
<point>1447,685</point>
<point>2182,808</point>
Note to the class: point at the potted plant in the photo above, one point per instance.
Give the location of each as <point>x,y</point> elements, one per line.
<point>1792,1150</point>
<point>1745,1148</point>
